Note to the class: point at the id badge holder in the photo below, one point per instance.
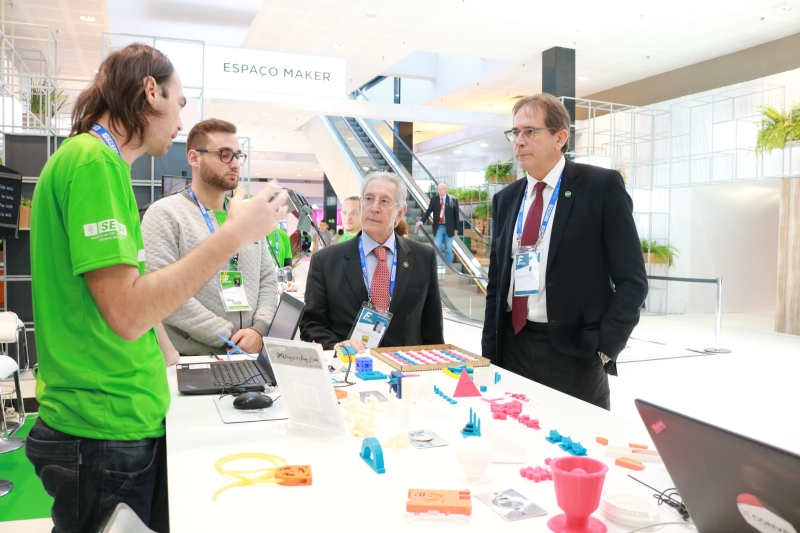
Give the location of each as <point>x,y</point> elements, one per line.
<point>526,271</point>
<point>232,291</point>
<point>370,325</point>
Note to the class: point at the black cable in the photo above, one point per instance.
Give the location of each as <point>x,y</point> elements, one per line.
<point>235,389</point>
<point>668,497</point>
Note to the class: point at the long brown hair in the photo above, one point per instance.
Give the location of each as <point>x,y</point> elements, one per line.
<point>118,89</point>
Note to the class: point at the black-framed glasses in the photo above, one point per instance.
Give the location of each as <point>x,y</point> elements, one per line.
<point>527,133</point>
<point>226,156</point>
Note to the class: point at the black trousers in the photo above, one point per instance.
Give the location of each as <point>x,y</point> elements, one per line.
<point>530,354</point>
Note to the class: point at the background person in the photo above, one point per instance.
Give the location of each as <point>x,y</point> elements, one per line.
<point>444,208</point>
<point>326,237</point>
<point>174,226</point>
<point>102,384</point>
<point>336,287</point>
<point>592,279</point>
<point>351,218</point>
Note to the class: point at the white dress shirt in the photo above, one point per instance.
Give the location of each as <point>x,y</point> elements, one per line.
<point>369,244</point>
<point>537,303</point>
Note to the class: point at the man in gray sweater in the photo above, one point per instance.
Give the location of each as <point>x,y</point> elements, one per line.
<point>174,226</point>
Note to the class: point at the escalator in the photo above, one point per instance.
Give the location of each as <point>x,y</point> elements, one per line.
<point>364,144</point>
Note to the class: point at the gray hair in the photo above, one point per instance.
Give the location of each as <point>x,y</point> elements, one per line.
<point>400,186</point>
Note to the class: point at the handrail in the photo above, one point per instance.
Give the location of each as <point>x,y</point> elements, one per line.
<point>718,318</point>
<point>357,138</point>
<point>441,256</point>
<point>428,172</point>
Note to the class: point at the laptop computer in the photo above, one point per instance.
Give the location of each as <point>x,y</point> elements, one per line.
<point>728,482</point>
<point>247,375</point>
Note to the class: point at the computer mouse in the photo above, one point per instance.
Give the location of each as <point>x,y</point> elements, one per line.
<point>252,400</point>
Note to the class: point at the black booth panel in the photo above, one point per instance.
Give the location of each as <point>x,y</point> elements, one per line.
<point>27,154</point>
<point>18,254</point>
<point>173,163</point>
<point>19,299</point>
<point>140,169</point>
<point>142,195</point>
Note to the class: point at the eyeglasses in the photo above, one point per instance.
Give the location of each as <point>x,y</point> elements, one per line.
<point>385,203</point>
<point>528,134</point>
<point>352,213</point>
<point>226,156</point>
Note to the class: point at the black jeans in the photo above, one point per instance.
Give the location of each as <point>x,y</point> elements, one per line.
<point>531,354</point>
<point>88,478</point>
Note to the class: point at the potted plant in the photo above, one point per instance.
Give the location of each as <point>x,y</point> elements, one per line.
<point>482,211</point>
<point>499,172</point>
<point>43,95</point>
<point>658,254</point>
<point>25,212</point>
<point>777,128</point>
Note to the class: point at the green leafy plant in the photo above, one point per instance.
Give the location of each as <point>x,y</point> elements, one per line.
<point>41,93</point>
<point>482,211</point>
<point>25,202</point>
<point>297,256</point>
<point>498,172</point>
<point>661,251</point>
<point>777,128</point>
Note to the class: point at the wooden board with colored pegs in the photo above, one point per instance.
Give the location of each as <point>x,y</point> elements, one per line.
<point>427,357</point>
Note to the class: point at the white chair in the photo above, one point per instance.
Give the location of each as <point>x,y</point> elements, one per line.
<point>10,328</point>
<point>125,520</point>
<point>9,367</point>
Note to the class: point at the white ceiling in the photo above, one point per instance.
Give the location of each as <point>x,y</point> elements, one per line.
<point>613,40</point>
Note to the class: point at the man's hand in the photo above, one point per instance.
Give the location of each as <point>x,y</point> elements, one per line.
<point>357,345</point>
<point>419,222</point>
<point>249,221</point>
<point>248,340</point>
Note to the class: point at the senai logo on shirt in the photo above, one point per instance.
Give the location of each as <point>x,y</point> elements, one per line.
<point>105,229</point>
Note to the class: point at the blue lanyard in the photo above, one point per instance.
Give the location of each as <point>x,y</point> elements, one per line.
<point>107,138</point>
<point>204,211</point>
<point>392,273</point>
<point>547,214</point>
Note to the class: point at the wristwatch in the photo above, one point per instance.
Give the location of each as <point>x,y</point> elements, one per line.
<point>603,358</point>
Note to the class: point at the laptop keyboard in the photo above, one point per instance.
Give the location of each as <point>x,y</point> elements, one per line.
<point>233,374</point>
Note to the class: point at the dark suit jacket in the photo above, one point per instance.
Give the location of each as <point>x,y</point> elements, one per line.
<point>595,279</point>
<point>450,213</point>
<point>335,291</point>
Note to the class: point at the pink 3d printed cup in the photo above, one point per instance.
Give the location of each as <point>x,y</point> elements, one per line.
<point>578,483</point>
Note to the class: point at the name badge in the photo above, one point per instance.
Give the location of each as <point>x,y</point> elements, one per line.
<point>370,326</point>
<point>232,291</point>
<point>526,271</point>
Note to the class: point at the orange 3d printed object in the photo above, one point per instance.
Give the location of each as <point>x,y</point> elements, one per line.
<point>280,472</point>
<point>439,502</point>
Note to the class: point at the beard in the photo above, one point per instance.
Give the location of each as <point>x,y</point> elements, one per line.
<point>212,179</point>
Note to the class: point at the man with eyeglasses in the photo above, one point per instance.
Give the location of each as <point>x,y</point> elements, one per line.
<point>377,271</point>
<point>351,219</point>
<point>566,276</point>
<point>176,225</point>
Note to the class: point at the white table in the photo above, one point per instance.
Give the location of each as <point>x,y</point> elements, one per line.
<point>347,494</point>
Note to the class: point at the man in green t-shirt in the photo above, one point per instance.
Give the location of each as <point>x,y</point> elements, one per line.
<point>281,247</point>
<point>351,218</point>
<point>102,352</point>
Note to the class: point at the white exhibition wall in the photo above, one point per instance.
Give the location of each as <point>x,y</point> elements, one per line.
<point>728,231</point>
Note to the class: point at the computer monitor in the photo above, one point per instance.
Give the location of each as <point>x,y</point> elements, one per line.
<point>287,318</point>
<point>10,194</point>
<point>174,184</point>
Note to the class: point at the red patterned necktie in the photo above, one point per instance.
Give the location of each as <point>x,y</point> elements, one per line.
<point>380,281</point>
<point>441,209</point>
<point>530,234</point>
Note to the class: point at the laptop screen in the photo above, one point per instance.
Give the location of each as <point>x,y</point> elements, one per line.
<point>287,318</point>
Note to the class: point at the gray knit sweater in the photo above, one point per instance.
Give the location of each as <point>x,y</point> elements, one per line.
<point>172,227</point>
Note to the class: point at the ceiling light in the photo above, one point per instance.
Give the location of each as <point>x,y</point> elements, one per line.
<point>583,78</point>
<point>87,18</point>
<point>351,138</point>
<point>258,173</point>
<point>299,175</point>
<point>458,152</point>
<point>96,71</point>
<point>265,114</point>
<point>316,169</point>
<point>437,157</point>
<point>484,145</point>
<point>338,45</point>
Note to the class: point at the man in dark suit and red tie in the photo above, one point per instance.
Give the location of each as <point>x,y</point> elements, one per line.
<point>563,322</point>
<point>444,208</point>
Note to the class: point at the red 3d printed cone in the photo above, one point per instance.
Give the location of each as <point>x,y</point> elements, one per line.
<point>465,386</point>
<point>578,482</point>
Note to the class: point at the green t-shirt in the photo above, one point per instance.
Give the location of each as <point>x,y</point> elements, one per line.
<point>346,237</point>
<point>281,247</point>
<point>91,382</point>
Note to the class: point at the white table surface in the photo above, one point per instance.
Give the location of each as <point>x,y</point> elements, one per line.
<point>347,494</point>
